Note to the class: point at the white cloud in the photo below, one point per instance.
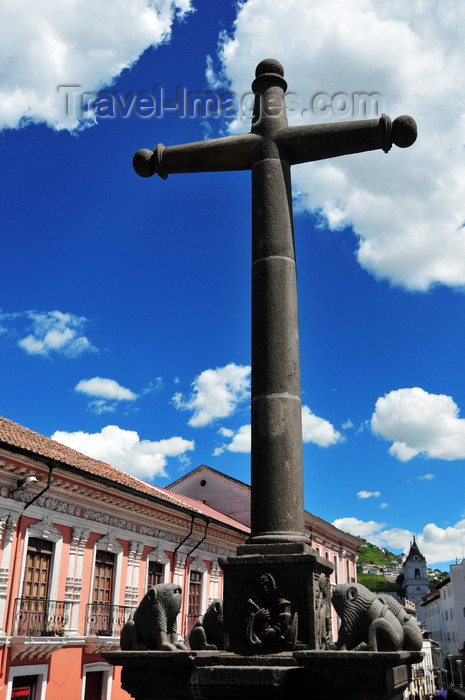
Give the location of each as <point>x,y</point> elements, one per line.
<point>368,494</point>
<point>54,331</point>
<point>428,477</point>
<point>359,528</point>
<point>318,430</point>
<point>439,545</point>
<point>420,423</point>
<point>383,505</point>
<point>44,45</point>
<point>408,207</point>
<point>125,450</point>
<point>240,441</point>
<point>216,394</point>
<point>104,388</point>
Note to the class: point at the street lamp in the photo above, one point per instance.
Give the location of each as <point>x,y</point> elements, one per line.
<point>459,663</point>
<point>451,658</point>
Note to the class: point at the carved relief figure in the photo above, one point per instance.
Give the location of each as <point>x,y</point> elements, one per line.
<point>270,624</point>
<point>367,622</point>
<point>322,614</point>
<point>153,624</point>
<point>207,632</point>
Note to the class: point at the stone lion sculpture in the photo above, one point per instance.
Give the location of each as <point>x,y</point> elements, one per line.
<point>153,623</point>
<point>413,638</point>
<point>207,632</point>
<point>372,623</point>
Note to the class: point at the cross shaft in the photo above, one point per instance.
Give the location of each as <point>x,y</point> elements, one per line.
<point>269,150</point>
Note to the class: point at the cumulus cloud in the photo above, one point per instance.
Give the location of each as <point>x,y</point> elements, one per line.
<point>368,494</point>
<point>215,394</point>
<point>240,440</point>
<point>318,430</point>
<point>124,449</point>
<point>439,545</point>
<point>408,207</point>
<point>56,332</point>
<point>108,391</point>
<point>357,527</point>
<point>420,423</point>
<point>85,44</point>
<point>105,388</point>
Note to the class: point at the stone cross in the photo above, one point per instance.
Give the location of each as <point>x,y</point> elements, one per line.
<point>269,150</point>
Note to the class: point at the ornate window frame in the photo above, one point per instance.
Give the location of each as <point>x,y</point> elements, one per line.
<point>157,554</point>
<point>109,543</point>
<point>99,667</point>
<point>198,564</point>
<point>39,670</point>
<point>45,529</point>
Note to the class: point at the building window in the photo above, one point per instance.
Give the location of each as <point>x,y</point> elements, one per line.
<point>336,568</point>
<point>195,593</point>
<point>38,567</point>
<point>101,618</point>
<point>24,687</point>
<point>96,681</point>
<point>103,577</point>
<point>154,573</point>
<point>27,682</point>
<point>195,599</point>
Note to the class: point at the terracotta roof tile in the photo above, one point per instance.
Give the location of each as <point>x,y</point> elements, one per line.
<point>17,436</point>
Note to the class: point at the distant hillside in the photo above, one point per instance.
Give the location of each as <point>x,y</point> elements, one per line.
<point>368,553</point>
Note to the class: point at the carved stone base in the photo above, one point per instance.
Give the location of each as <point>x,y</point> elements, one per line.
<point>352,675</point>
<point>291,582</point>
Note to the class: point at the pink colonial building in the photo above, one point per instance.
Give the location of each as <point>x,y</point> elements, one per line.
<point>81,542</point>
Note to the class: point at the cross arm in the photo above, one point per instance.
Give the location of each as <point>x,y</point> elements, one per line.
<point>301,144</point>
<point>228,153</point>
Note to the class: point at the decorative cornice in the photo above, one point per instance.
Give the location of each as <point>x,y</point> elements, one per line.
<point>26,648</point>
<point>95,645</point>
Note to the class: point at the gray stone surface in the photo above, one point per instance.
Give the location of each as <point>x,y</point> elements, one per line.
<point>373,623</point>
<point>213,675</point>
<point>278,547</point>
<point>153,624</point>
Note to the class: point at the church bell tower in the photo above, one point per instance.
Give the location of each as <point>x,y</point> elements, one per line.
<point>416,582</point>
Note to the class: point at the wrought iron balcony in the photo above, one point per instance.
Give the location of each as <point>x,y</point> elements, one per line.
<point>36,617</point>
<point>107,620</point>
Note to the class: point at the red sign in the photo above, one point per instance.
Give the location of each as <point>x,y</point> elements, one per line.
<point>23,693</point>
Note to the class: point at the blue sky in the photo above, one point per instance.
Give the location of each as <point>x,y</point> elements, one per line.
<point>125,302</point>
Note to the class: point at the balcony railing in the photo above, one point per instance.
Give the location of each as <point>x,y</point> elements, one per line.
<point>37,617</point>
<point>107,620</point>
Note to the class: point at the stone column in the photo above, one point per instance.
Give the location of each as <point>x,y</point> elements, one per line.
<point>277,508</point>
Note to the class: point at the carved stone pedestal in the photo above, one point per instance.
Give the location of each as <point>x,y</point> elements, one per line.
<point>290,582</point>
<point>307,675</point>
